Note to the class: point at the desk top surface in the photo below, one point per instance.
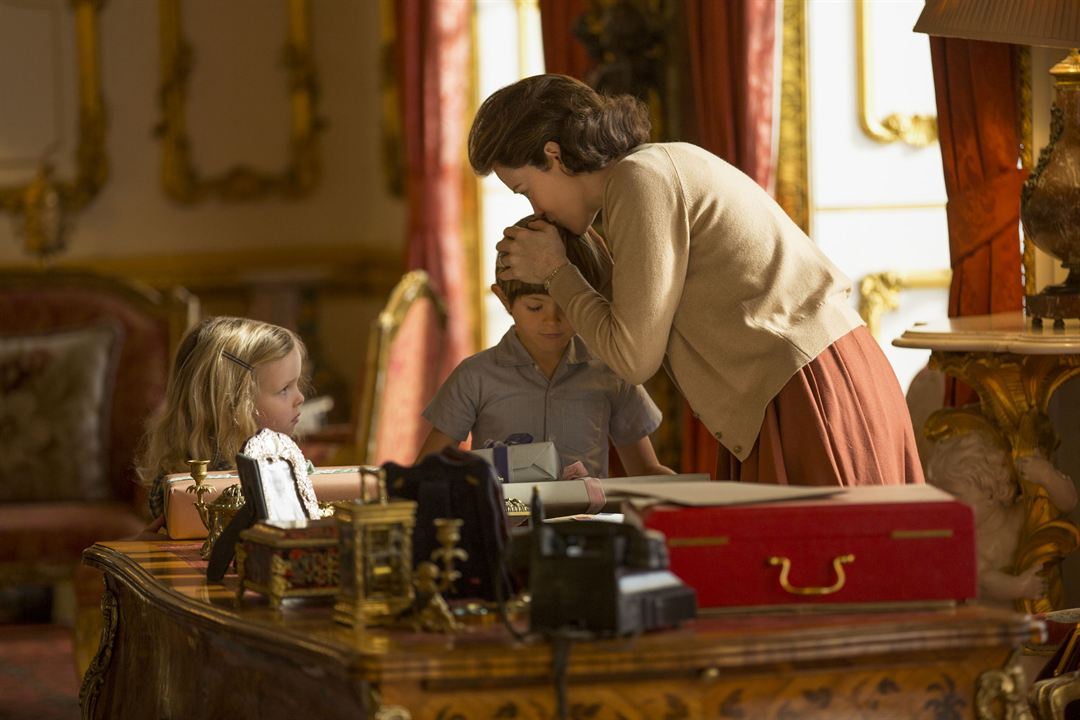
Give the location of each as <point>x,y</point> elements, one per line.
<point>1001,333</point>
<point>171,576</point>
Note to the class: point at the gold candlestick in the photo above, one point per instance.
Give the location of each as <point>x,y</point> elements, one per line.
<point>200,488</point>
<point>448,533</point>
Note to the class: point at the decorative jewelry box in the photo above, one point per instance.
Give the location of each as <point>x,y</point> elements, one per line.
<point>286,559</point>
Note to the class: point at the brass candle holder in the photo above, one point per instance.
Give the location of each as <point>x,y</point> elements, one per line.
<point>220,512</point>
<point>200,488</point>
<point>448,533</point>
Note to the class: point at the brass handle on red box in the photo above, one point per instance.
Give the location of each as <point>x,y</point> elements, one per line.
<point>838,568</point>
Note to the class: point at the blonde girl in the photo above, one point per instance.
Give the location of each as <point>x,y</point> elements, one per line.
<point>231,378</point>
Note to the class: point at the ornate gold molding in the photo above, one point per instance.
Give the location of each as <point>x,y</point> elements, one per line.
<point>180,179</point>
<point>392,138</point>
<point>793,157</point>
<point>1014,392</point>
<point>472,201</point>
<point>879,293</point>
<point>331,267</point>
<point>43,205</point>
<point>95,674</point>
<point>914,130</point>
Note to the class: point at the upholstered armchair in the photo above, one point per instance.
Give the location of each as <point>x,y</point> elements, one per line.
<point>83,361</point>
<point>401,374</point>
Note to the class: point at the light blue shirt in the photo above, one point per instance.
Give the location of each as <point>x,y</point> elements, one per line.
<point>501,391</point>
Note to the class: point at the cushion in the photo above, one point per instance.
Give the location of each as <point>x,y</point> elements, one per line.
<point>55,393</point>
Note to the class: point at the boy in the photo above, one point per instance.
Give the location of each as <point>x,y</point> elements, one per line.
<point>541,380</point>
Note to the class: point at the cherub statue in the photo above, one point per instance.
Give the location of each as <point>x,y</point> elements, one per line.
<point>975,468</point>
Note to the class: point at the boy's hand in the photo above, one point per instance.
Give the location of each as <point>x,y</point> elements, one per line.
<point>575,471</point>
<point>530,254</point>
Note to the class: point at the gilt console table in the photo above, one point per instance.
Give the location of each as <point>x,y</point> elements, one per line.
<point>177,646</point>
<point>1015,368</point>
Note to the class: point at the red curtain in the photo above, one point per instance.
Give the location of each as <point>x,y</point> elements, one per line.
<point>731,47</point>
<point>563,52</point>
<point>433,67</point>
<point>977,111</point>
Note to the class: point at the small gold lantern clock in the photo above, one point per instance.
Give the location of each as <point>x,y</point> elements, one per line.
<point>375,555</point>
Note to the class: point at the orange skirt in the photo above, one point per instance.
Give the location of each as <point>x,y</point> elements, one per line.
<point>840,420</point>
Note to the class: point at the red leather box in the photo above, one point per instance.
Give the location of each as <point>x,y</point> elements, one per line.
<point>863,545</point>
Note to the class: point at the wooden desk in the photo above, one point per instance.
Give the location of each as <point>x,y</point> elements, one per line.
<point>176,646</point>
<point>1015,368</point>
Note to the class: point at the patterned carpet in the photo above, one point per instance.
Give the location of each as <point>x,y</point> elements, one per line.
<point>37,673</point>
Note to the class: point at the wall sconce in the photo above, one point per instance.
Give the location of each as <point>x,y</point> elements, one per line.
<point>42,217</point>
<point>1050,200</point>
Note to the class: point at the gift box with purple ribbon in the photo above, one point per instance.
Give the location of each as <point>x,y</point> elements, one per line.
<point>519,459</point>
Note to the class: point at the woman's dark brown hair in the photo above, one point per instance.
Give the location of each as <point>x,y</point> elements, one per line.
<point>592,130</point>
<point>584,251</point>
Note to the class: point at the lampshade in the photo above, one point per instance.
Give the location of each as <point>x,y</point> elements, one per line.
<point>1047,23</point>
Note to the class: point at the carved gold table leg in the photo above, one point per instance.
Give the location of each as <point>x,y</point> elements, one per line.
<point>95,675</point>
<point>1014,392</point>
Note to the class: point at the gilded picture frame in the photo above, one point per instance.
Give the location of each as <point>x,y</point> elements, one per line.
<point>33,203</point>
<point>181,180</point>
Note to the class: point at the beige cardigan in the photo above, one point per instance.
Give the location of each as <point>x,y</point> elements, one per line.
<point>711,278</point>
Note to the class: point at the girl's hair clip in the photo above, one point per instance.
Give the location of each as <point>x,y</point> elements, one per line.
<point>229,356</point>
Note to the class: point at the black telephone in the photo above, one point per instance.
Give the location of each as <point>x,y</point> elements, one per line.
<point>597,576</point>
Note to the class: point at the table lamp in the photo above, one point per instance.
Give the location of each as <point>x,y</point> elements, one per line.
<point>1050,199</point>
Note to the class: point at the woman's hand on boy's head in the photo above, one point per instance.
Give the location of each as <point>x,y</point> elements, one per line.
<point>530,254</point>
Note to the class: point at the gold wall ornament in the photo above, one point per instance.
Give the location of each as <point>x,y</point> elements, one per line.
<point>630,41</point>
<point>915,130</point>
<point>42,208</point>
<point>1014,392</point>
<point>793,154</point>
<point>879,293</point>
<point>180,178</point>
<point>42,223</point>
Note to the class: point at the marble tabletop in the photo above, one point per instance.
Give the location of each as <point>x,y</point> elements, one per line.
<point>1001,333</point>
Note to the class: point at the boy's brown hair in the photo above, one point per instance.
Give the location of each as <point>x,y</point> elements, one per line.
<point>584,251</point>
